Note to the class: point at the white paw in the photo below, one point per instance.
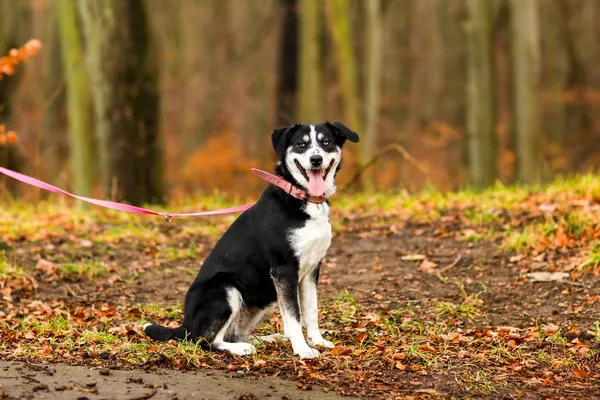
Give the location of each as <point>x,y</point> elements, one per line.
<point>307,353</point>
<point>240,349</point>
<point>320,342</point>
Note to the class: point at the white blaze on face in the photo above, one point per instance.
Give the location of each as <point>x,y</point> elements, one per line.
<point>320,179</point>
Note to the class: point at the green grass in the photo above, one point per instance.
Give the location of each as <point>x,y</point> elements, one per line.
<point>173,312</point>
<point>470,308</point>
<point>517,241</point>
<point>86,270</point>
<point>9,271</point>
<point>58,324</point>
<point>592,260</point>
<point>131,230</point>
<point>345,308</point>
<point>172,253</point>
<point>99,337</point>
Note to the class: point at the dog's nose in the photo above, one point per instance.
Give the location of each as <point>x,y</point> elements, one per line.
<point>316,160</point>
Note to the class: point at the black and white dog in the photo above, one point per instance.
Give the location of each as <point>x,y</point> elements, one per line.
<point>271,254</point>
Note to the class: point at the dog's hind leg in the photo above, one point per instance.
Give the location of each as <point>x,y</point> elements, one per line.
<point>228,330</point>
<point>249,324</point>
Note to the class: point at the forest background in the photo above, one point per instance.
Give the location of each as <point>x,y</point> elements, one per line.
<point>148,101</point>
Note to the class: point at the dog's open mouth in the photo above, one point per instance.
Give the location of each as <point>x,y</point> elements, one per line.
<point>315,178</point>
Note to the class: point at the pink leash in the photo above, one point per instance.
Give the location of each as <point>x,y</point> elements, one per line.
<point>117,206</point>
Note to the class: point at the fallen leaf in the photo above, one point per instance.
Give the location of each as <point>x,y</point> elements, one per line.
<point>400,366</point>
<point>414,257</point>
<point>516,258</point>
<point>427,348</point>
<point>548,276</point>
<point>427,266</point>
<point>580,373</point>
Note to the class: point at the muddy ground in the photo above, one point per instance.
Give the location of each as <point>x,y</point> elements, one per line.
<point>56,381</point>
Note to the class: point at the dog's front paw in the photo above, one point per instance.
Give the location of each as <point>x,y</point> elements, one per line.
<point>308,353</point>
<point>241,349</point>
<point>320,342</point>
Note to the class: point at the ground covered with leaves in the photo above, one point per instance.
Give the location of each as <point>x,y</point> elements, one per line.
<point>493,294</point>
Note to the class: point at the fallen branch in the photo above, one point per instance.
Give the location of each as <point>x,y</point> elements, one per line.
<point>392,147</point>
<point>441,277</point>
<point>145,396</point>
<point>449,267</point>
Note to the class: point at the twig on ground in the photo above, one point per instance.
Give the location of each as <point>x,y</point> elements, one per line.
<point>145,396</point>
<point>441,277</point>
<point>454,263</point>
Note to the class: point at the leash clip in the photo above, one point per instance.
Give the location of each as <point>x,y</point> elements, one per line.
<point>168,218</point>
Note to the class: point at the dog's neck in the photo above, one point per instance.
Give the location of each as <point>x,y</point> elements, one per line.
<point>288,187</point>
<point>282,171</point>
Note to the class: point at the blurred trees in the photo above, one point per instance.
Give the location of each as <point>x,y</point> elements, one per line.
<point>81,138</point>
<point>480,121</point>
<point>338,15</point>
<point>526,73</point>
<point>123,69</point>
<point>477,91</point>
<point>373,58</point>
<point>310,95</point>
<point>287,70</point>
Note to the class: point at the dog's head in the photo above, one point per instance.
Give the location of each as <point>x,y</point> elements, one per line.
<point>311,155</point>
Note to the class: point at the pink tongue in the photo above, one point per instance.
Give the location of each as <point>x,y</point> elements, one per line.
<point>316,183</point>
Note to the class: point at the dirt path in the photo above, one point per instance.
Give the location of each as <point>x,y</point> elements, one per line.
<point>55,381</point>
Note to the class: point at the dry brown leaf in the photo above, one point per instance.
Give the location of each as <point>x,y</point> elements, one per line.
<point>427,348</point>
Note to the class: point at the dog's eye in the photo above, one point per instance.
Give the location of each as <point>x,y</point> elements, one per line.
<point>326,142</point>
<point>301,144</point>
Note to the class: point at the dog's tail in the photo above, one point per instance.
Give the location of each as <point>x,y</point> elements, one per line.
<point>159,332</point>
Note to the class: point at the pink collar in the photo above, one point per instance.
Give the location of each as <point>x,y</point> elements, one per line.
<point>288,187</point>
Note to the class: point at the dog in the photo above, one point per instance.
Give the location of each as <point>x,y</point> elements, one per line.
<point>271,254</point>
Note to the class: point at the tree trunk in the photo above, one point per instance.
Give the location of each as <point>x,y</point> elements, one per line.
<point>309,94</point>
<point>373,58</point>
<point>526,84</point>
<point>579,120</point>
<point>338,15</point>
<point>123,70</point>
<point>287,79</point>
<point>81,141</point>
<point>13,15</point>
<point>480,94</point>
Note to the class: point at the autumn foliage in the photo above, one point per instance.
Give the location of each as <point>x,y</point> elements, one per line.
<point>220,163</point>
<point>18,56</point>
<point>7,137</point>
<point>8,65</point>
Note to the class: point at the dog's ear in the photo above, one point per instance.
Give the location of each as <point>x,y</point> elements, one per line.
<point>343,132</point>
<point>280,137</point>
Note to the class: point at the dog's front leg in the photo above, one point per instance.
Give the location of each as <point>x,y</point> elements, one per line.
<point>310,309</point>
<point>286,285</point>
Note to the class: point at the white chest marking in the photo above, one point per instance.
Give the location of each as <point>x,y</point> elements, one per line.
<point>310,242</point>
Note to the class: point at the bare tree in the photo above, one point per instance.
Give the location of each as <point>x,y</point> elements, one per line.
<point>309,93</point>
<point>287,84</point>
<point>480,94</point>
<point>338,15</point>
<point>81,140</point>
<point>123,69</point>
<point>373,58</point>
<point>526,89</point>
